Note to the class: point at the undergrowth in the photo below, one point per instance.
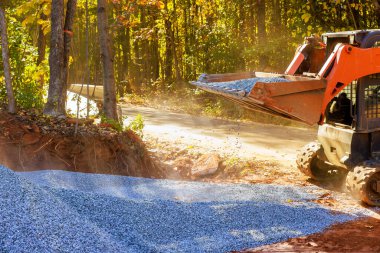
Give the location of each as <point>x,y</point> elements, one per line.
<point>136,125</point>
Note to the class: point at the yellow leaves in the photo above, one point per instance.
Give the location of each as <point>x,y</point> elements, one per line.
<point>28,20</point>
<point>71,59</point>
<point>305,17</point>
<point>142,2</point>
<point>358,7</point>
<point>133,21</point>
<point>160,5</point>
<point>46,10</point>
<point>32,6</point>
<point>31,20</point>
<point>156,3</point>
<point>31,11</point>
<point>37,74</point>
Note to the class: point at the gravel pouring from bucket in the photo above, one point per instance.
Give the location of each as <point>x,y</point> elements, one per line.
<point>297,98</point>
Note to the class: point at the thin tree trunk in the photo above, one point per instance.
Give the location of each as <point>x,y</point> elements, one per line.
<point>285,8</point>
<point>155,65</point>
<point>7,68</point>
<point>41,44</point>
<point>109,104</point>
<point>276,16</point>
<point>168,51</point>
<point>55,105</point>
<point>261,30</point>
<point>352,16</point>
<point>377,11</point>
<point>251,22</point>
<point>126,58</point>
<point>261,21</point>
<point>145,61</point>
<point>178,74</point>
<point>186,17</point>
<point>136,68</point>
<point>68,33</point>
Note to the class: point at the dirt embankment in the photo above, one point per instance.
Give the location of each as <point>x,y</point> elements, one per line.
<point>32,142</point>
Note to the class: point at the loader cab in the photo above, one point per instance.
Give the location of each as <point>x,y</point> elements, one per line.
<point>365,92</point>
<point>347,144</point>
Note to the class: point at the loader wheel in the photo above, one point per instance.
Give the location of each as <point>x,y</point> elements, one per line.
<point>364,183</point>
<point>310,165</point>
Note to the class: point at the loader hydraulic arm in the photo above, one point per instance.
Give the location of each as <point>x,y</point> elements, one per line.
<point>346,64</point>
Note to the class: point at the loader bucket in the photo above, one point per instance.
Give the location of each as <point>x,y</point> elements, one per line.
<point>288,96</point>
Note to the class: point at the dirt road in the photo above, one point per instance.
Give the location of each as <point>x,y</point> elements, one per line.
<point>240,139</point>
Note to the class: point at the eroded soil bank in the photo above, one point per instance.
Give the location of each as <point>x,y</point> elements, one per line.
<point>32,142</point>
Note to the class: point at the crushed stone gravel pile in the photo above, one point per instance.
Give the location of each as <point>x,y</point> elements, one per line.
<point>239,88</point>
<point>58,211</point>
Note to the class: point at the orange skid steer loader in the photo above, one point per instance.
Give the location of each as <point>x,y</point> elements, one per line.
<point>334,83</point>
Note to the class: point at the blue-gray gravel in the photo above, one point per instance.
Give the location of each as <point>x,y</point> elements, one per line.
<point>58,211</point>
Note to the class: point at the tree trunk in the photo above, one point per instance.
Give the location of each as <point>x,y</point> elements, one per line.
<point>109,103</point>
<point>178,74</point>
<point>251,22</point>
<point>126,49</point>
<point>377,11</point>
<point>155,63</point>
<point>285,8</point>
<point>276,16</point>
<point>261,21</point>
<point>68,33</point>
<point>7,68</point>
<point>55,105</point>
<point>261,30</point>
<point>41,44</point>
<point>168,50</point>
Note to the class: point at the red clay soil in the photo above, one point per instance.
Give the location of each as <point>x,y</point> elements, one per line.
<point>355,236</point>
<point>31,142</point>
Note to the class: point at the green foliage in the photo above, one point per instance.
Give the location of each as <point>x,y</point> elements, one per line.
<point>137,125</point>
<point>25,73</point>
<point>118,126</point>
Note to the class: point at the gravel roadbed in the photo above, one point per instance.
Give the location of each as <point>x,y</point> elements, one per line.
<point>58,211</point>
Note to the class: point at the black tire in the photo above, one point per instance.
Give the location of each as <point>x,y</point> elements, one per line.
<point>310,165</point>
<point>361,183</point>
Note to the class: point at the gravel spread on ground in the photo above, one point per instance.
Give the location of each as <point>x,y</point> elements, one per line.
<point>240,88</point>
<point>58,211</point>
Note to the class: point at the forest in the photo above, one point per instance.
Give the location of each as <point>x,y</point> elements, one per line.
<point>157,46</point>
